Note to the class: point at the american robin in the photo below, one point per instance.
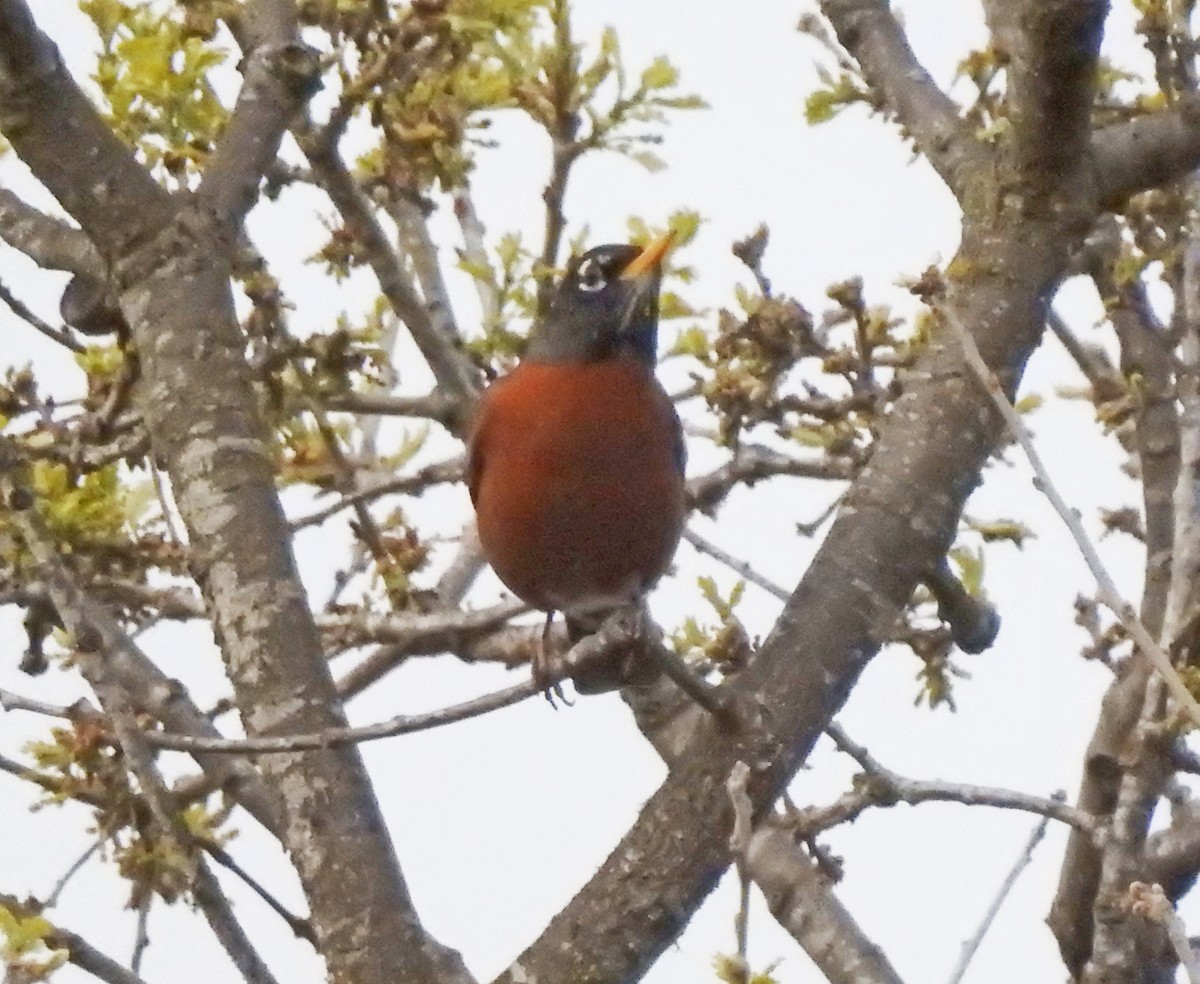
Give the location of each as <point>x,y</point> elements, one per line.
<point>576,459</point>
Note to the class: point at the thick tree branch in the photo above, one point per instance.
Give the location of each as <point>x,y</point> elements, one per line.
<point>1051,76</point>
<point>1147,152</point>
<point>280,73</point>
<point>870,32</point>
<point>63,140</point>
<point>804,902</point>
<point>799,895</point>
<point>1150,901</point>
<point>896,521</point>
<point>202,414</point>
<point>50,242</point>
<point>1172,855</point>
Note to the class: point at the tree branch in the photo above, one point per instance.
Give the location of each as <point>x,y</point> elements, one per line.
<point>1051,76</point>
<point>752,463</point>
<point>1147,152</point>
<point>971,946</point>
<point>1145,352</point>
<point>456,377</point>
<point>870,32</point>
<point>79,951</point>
<point>98,181</point>
<point>804,903</point>
<point>50,242</point>
<point>280,74</point>
<point>204,423</point>
<point>883,787</point>
<point>90,629</point>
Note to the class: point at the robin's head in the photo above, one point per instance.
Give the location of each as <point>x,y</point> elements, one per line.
<point>606,306</point>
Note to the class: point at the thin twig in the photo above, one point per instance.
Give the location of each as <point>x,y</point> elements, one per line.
<point>1108,593</point>
<point>298,925</point>
<point>740,567</point>
<point>887,788</point>
<point>23,312</point>
<point>401,724</point>
<point>79,862</point>
<point>971,945</point>
<point>437,473</point>
<point>141,938</point>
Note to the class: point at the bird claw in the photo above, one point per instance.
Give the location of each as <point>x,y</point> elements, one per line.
<point>546,669</point>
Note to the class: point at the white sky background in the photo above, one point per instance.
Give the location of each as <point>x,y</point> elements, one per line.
<point>498,821</point>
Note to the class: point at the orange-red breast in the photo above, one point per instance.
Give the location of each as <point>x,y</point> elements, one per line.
<point>576,459</point>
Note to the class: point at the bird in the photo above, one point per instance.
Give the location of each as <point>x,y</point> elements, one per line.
<point>576,457</point>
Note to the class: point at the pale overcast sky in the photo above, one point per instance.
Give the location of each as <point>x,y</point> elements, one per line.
<point>498,821</point>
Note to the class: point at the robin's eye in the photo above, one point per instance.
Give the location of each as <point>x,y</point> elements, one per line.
<point>591,276</point>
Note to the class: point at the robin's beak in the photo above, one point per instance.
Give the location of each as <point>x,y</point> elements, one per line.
<point>650,258</point>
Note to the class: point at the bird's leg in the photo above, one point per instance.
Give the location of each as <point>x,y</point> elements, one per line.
<point>543,666</point>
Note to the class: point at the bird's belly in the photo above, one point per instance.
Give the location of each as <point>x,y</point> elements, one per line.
<point>592,503</point>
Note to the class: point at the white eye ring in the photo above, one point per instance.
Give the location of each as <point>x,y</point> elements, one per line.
<point>590,276</point>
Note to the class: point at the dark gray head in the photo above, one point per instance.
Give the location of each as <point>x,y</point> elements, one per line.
<point>606,306</point>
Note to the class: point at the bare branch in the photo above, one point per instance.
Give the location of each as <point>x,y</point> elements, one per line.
<point>1092,360</point>
<point>886,788</point>
<point>409,635</point>
<point>1051,83</point>
<point>99,183</point>
<point>592,650</point>
<point>805,905</point>
<point>60,335</point>
<point>435,406</point>
<point>870,32</point>
<point>562,77</point>
<point>280,74</point>
<point>456,377</point>
<point>1146,354</point>
<point>739,567</point>
<point>1172,855</point>
<point>1151,902</point>
<point>435,474</point>
<point>89,627</point>
<point>1147,152</point>
<point>79,951</point>
<point>206,890</point>
<point>1108,588</point>
<point>970,947</point>
<point>50,242</point>
<point>751,464</point>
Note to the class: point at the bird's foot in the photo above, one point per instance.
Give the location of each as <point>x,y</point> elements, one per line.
<point>546,667</point>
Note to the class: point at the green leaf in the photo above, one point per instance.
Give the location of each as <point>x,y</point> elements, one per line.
<point>22,934</point>
<point>659,74</point>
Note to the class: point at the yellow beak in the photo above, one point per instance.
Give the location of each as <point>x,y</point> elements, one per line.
<point>650,257</point>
